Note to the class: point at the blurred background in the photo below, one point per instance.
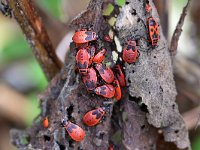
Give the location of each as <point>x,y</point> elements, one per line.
<point>21,78</point>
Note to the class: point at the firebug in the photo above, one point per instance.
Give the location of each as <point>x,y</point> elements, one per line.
<point>105,72</point>
<point>90,79</point>
<point>82,60</point>
<point>154,32</point>
<point>84,36</point>
<point>91,50</point>
<point>118,93</point>
<point>93,117</point>
<point>107,91</point>
<point>120,75</point>
<point>99,57</point>
<point>74,131</point>
<point>130,52</point>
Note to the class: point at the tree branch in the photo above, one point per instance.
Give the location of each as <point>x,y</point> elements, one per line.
<point>178,30</point>
<point>35,32</point>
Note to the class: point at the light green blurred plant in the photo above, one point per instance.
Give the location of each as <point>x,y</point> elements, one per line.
<point>52,7</point>
<point>196,143</point>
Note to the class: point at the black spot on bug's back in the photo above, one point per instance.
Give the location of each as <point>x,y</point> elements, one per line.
<point>82,66</point>
<point>97,114</point>
<point>129,47</point>
<point>71,127</point>
<point>155,35</point>
<point>133,48</point>
<point>88,33</point>
<point>89,36</point>
<point>152,23</point>
<point>90,84</point>
<point>101,71</point>
<point>102,90</point>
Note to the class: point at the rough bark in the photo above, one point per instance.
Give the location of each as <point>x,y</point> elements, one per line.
<point>151,79</point>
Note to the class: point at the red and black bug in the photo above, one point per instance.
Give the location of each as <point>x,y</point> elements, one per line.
<point>130,52</point>
<point>118,93</point>
<point>120,75</point>
<point>74,131</point>
<point>91,50</point>
<point>82,60</point>
<point>154,32</point>
<point>105,72</point>
<point>90,79</point>
<point>107,91</point>
<point>84,36</point>
<point>99,57</point>
<point>93,117</point>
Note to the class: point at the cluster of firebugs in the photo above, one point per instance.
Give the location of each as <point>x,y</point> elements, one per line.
<point>97,77</point>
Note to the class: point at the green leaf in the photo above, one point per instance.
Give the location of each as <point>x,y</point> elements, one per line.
<point>120,2</point>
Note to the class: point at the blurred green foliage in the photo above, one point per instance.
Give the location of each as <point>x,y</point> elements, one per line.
<point>18,49</point>
<point>120,2</point>
<point>53,7</point>
<point>196,143</point>
<point>15,49</point>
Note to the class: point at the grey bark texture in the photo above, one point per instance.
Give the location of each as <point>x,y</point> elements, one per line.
<point>151,78</point>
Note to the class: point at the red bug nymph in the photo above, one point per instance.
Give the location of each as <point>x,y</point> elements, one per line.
<point>120,75</point>
<point>90,79</point>
<point>91,50</point>
<point>99,57</point>
<point>84,36</point>
<point>107,91</point>
<point>82,60</point>
<point>154,32</point>
<point>130,52</point>
<point>46,122</point>
<point>118,93</point>
<point>105,72</point>
<point>93,117</point>
<point>74,131</point>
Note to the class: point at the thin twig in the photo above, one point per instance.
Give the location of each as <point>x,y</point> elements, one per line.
<point>191,118</point>
<point>35,32</point>
<point>178,30</point>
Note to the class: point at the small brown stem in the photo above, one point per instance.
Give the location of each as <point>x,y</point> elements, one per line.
<point>192,117</point>
<point>32,26</point>
<point>178,30</point>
